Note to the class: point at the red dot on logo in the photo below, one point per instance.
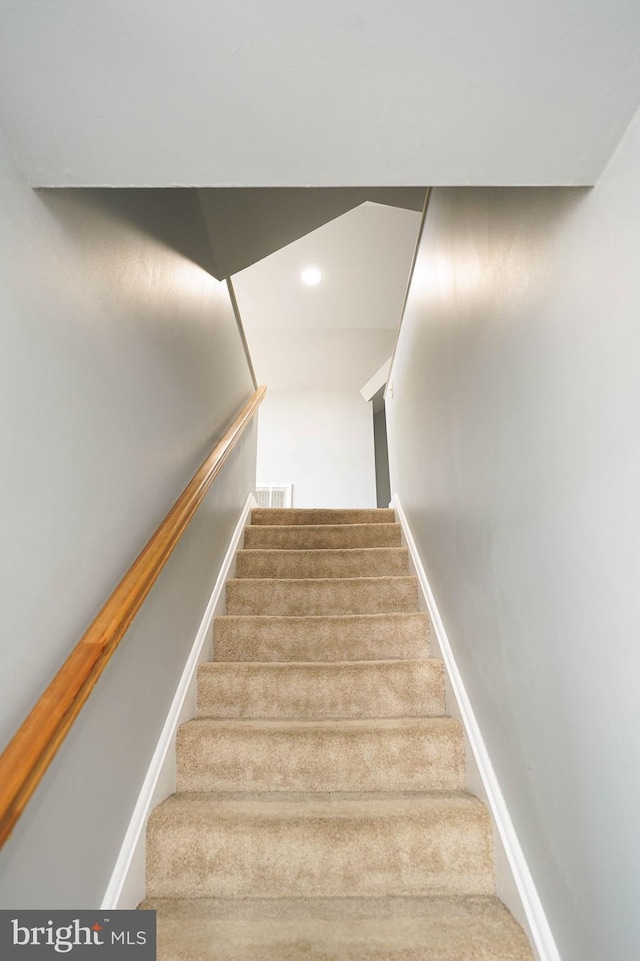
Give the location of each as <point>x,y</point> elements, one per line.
<point>97,927</point>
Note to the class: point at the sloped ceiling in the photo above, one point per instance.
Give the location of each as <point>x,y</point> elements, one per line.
<point>294,93</point>
<point>337,334</point>
<point>247,224</point>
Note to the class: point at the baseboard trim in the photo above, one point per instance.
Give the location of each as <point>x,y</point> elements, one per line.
<point>536,920</point>
<point>126,885</point>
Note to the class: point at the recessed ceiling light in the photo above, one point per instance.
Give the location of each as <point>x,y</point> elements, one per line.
<point>311,276</point>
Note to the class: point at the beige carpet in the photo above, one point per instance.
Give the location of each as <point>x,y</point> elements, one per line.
<point>321,812</point>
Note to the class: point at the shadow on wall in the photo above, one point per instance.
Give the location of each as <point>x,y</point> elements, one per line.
<point>247,224</point>
<point>171,216</point>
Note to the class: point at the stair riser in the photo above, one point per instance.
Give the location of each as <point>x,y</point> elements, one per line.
<point>373,562</point>
<point>379,637</point>
<point>323,537</point>
<point>314,516</point>
<point>312,598</point>
<point>360,689</point>
<point>321,759</point>
<point>316,856</point>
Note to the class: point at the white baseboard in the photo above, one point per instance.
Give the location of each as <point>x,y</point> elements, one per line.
<point>514,882</point>
<point>126,886</point>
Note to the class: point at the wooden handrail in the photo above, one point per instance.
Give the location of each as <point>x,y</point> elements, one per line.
<point>29,753</point>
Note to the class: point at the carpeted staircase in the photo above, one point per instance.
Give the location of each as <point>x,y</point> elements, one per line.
<point>321,810</point>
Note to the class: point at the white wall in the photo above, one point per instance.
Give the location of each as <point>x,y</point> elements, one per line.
<point>120,365</point>
<point>322,443</point>
<point>515,449</point>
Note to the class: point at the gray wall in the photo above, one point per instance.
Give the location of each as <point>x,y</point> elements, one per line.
<point>120,365</point>
<point>515,449</point>
<point>247,224</point>
<point>381,454</point>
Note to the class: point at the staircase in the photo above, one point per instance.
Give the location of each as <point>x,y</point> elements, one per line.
<point>321,810</point>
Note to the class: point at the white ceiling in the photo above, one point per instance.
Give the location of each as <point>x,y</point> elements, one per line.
<point>364,257</point>
<point>318,359</point>
<point>337,334</point>
<point>295,93</point>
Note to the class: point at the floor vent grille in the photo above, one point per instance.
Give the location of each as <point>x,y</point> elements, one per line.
<point>274,495</point>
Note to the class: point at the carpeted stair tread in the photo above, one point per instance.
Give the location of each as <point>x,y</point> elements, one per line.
<point>417,754</point>
<point>207,845</point>
<point>347,929</point>
<point>354,637</point>
<point>312,689</point>
<point>321,536</point>
<point>321,813</point>
<point>318,596</point>
<point>322,515</point>
<point>350,562</point>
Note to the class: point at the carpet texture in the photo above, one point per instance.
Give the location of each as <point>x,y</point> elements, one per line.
<point>321,811</point>
<point>317,689</point>
<point>319,596</point>
<point>349,929</point>
<point>377,561</point>
<point>333,638</point>
<point>322,536</point>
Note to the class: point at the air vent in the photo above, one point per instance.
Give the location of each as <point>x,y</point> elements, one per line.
<point>274,495</point>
